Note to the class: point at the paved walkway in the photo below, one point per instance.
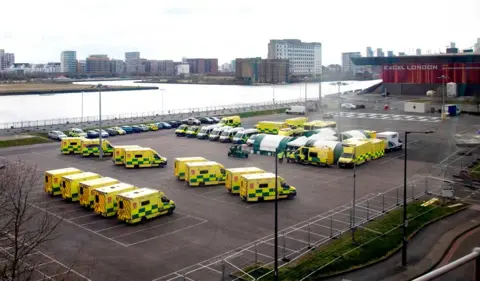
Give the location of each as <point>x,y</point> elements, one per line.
<point>424,250</point>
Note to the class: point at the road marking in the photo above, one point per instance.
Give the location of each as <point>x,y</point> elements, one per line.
<point>158,225</point>
<point>83,216</point>
<point>173,232</point>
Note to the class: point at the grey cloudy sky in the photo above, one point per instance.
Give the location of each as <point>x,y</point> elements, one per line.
<point>37,31</point>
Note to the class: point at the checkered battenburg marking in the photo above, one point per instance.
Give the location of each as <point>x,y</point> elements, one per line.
<point>394,117</point>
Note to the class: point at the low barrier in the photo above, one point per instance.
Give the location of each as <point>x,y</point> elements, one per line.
<point>153,116</point>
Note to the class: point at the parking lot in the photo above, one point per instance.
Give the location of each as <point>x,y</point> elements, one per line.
<point>209,222</point>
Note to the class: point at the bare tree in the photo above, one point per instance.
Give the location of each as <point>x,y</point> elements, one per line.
<point>23,229</point>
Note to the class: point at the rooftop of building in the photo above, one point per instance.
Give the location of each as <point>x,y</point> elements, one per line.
<point>435,58</point>
<point>293,41</point>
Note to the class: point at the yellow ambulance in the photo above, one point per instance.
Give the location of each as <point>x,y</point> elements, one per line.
<point>271,127</point>
<point>291,132</point>
<point>179,165</point>
<point>378,148</point>
<point>106,198</point>
<point>355,152</point>
<point>53,178</point>
<point>71,183</point>
<point>204,173</point>
<point>232,121</point>
<point>143,203</point>
<point>232,182</point>
<point>118,155</point>
<point>86,188</point>
<point>71,145</point>
<point>296,122</point>
<point>143,157</point>
<point>261,187</point>
<point>91,147</point>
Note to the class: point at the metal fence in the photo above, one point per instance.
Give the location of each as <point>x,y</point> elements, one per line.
<point>194,112</point>
<point>298,240</point>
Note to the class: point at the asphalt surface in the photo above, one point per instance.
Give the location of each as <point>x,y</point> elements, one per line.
<point>208,221</point>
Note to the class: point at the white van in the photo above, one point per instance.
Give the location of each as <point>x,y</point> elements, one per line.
<point>242,136</point>
<point>296,109</point>
<point>227,136</point>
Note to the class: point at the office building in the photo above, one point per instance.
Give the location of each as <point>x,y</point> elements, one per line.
<point>132,62</point>
<point>117,66</point>
<point>97,64</point>
<point>258,70</point>
<point>53,67</point>
<point>401,54</point>
<point>6,59</point>
<point>370,52</point>
<point>304,58</point>
<point>232,66</point>
<point>203,66</point>
<point>390,54</point>
<point>182,68</point>
<point>81,66</point>
<point>347,64</point>
<point>380,52</point>
<point>476,47</point>
<point>68,62</point>
<point>418,52</point>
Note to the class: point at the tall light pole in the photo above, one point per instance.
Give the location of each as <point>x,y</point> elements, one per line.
<point>354,191</point>
<point>82,110</point>
<point>276,218</point>
<point>444,84</point>
<point>405,221</point>
<point>161,92</point>
<point>99,86</point>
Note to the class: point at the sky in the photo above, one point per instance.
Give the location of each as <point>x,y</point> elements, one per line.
<point>37,31</point>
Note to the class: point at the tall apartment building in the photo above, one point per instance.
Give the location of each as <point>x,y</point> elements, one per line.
<point>370,52</point>
<point>132,62</point>
<point>305,58</point>
<point>347,64</point>
<point>203,66</point>
<point>390,54</point>
<point>380,52</point>
<point>97,64</point>
<point>476,47</point>
<point>418,52</point>
<point>258,70</point>
<point>68,62</point>
<point>6,59</point>
<point>117,66</point>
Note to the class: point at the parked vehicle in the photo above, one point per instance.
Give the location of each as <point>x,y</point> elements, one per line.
<point>191,121</point>
<point>327,116</point>
<point>75,132</point>
<point>215,119</point>
<point>112,132</point>
<point>206,120</point>
<point>165,125</point>
<point>174,123</point>
<point>119,130</point>
<point>152,127</point>
<point>127,129</point>
<point>392,142</point>
<point>359,106</point>
<point>251,140</point>
<point>56,135</point>
<point>296,109</point>
<point>92,134</point>
<point>348,106</point>
<point>145,128</point>
<point>137,129</point>
<point>104,133</point>
<point>159,125</point>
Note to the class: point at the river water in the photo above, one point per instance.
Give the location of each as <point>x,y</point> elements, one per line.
<point>44,107</point>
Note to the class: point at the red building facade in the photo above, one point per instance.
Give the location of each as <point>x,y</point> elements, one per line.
<point>428,73</point>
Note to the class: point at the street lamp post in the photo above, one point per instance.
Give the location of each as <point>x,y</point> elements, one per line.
<point>405,221</point>
<point>99,86</point>
<point>444,84</point>
<point>276,218</point>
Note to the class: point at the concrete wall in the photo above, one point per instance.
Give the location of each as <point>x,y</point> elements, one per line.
<point>417,107</point>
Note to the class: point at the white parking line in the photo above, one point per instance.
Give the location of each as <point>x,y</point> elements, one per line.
<point>311,232</point>
<point>148,228</point>
<point>258,253</point>
<point>108,228</point>
<point>165,234</point>
<point>82,216</point>
<point>288,249</point>
<point>212,269</point>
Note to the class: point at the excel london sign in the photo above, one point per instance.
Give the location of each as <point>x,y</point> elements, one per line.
<point>412,67</point>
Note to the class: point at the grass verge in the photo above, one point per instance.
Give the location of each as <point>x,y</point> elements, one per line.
<point>369,247</point>
<point>23,141</point>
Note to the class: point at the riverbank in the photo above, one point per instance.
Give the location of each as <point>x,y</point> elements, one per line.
<point>57,88</point>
